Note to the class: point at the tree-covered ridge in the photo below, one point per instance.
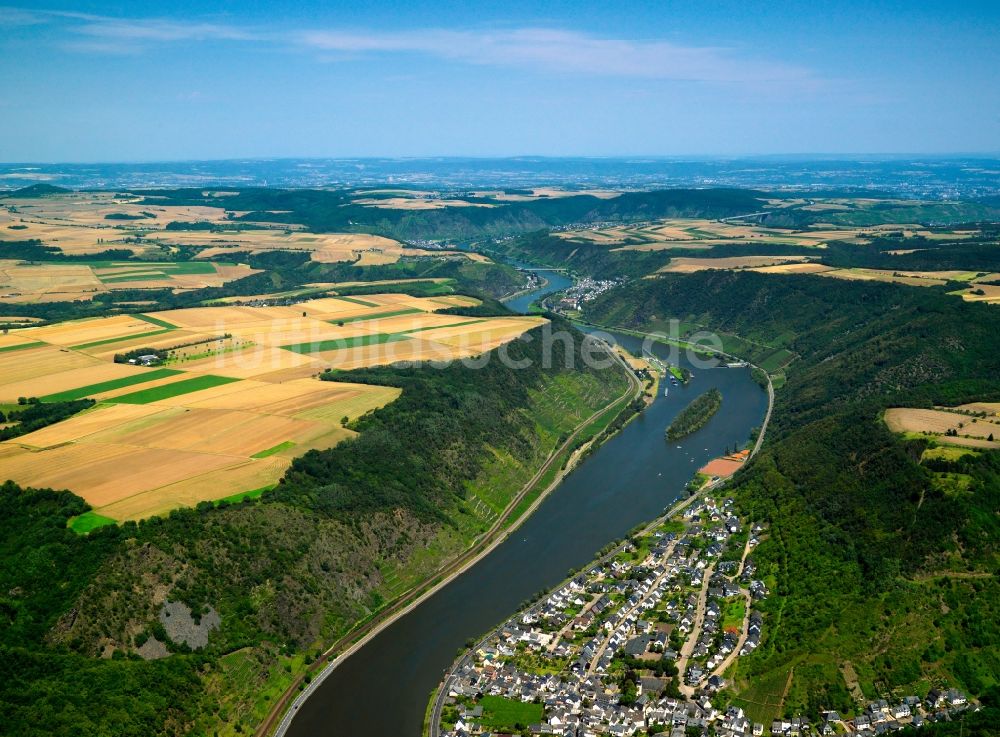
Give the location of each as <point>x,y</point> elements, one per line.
<point>287,573</point>
<point>695,415</point>
<point>325,210</point>
<point>419,451</point>
<point>591,259</point>
<point>883,566</point>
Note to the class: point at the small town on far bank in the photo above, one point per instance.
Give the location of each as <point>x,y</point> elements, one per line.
<point>639,643</point>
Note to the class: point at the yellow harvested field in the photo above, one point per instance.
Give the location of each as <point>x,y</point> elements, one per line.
<point>467,346</point>
<point>78,427</point>
<point>135,460</point>
<point>28,283</point>
<point>215,431</point>
<point>30,363</point>
<point>489,329</point>
<point>103,474</point>
<point>79,332</point>
<point>700,233</point>
<point>385,353</point>
<point>882,276</point>
<point>77,223</point>
<point>40,386</point>
<point>253,362</point>
<point>989,293</point>
<point>937,422</point>
<point>794,268</point>
<point>990,408</point>
<point>9,340</point>
<point>456,300</point>
<point>322,247</point>
<point>329,287</point>
<point>353,403</point>
<point>692,265</point>
<point>250,475</point>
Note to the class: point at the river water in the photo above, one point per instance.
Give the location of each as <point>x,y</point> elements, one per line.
<point>383,689</point>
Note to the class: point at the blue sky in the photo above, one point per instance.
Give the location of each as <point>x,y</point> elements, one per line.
<point>122,81</point>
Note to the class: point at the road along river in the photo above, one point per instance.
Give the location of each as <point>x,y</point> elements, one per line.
<point>383,687</point>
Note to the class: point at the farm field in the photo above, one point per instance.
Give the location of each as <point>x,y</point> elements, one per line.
<point>702,233</point>
<point>692,265</point>
<point>324,288</point>
<point>30,283</point>
<point>969,431</point>
<point>82,223</point>
<point>235,399</point>
<point>975,292</point>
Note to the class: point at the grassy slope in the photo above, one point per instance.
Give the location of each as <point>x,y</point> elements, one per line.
<point>870,561</point>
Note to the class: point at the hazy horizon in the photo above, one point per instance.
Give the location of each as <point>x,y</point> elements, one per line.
<point>818,156</point>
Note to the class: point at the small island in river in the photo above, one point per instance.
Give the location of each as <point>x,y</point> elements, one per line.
<point>695,415</point>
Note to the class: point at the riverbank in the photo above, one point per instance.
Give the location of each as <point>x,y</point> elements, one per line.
<point>520,508</point>
<point>527,290</point>
<point>694,346</point>
<point>436,702</point>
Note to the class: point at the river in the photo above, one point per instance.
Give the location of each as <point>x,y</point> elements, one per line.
<point>383,689</point>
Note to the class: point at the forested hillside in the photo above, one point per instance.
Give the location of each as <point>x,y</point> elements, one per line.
<point>346,530</point>
<point>882,570</point>
<point>325,210</point>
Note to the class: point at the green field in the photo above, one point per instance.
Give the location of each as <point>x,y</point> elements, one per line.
<point>147,271</point>
<point>106,386</point>
<point>84,523</point>
<point>340,343</point>
<point>234,498</point>
<point>449,325</point>
<point>120,339</point>
<point>355,300</point>
<point>8,348</point>
<point>178,388</point>
<point>275,449</point>
<point>376,316</point>
<point>500,713</point>
<point>156,321</point>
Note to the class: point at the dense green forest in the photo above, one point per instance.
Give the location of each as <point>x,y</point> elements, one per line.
<point>695,415</point>
<point>286,573</point>
<point>588,259</point>
<point>879,564</point>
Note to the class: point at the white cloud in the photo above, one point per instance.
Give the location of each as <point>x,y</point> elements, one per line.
<point>18,17</point>
<point>535,49</point>
<point>562,51</point>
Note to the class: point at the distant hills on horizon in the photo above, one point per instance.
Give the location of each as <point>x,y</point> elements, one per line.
<point>915,176</point>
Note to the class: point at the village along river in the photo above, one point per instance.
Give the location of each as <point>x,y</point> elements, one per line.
<point>383,688</point>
